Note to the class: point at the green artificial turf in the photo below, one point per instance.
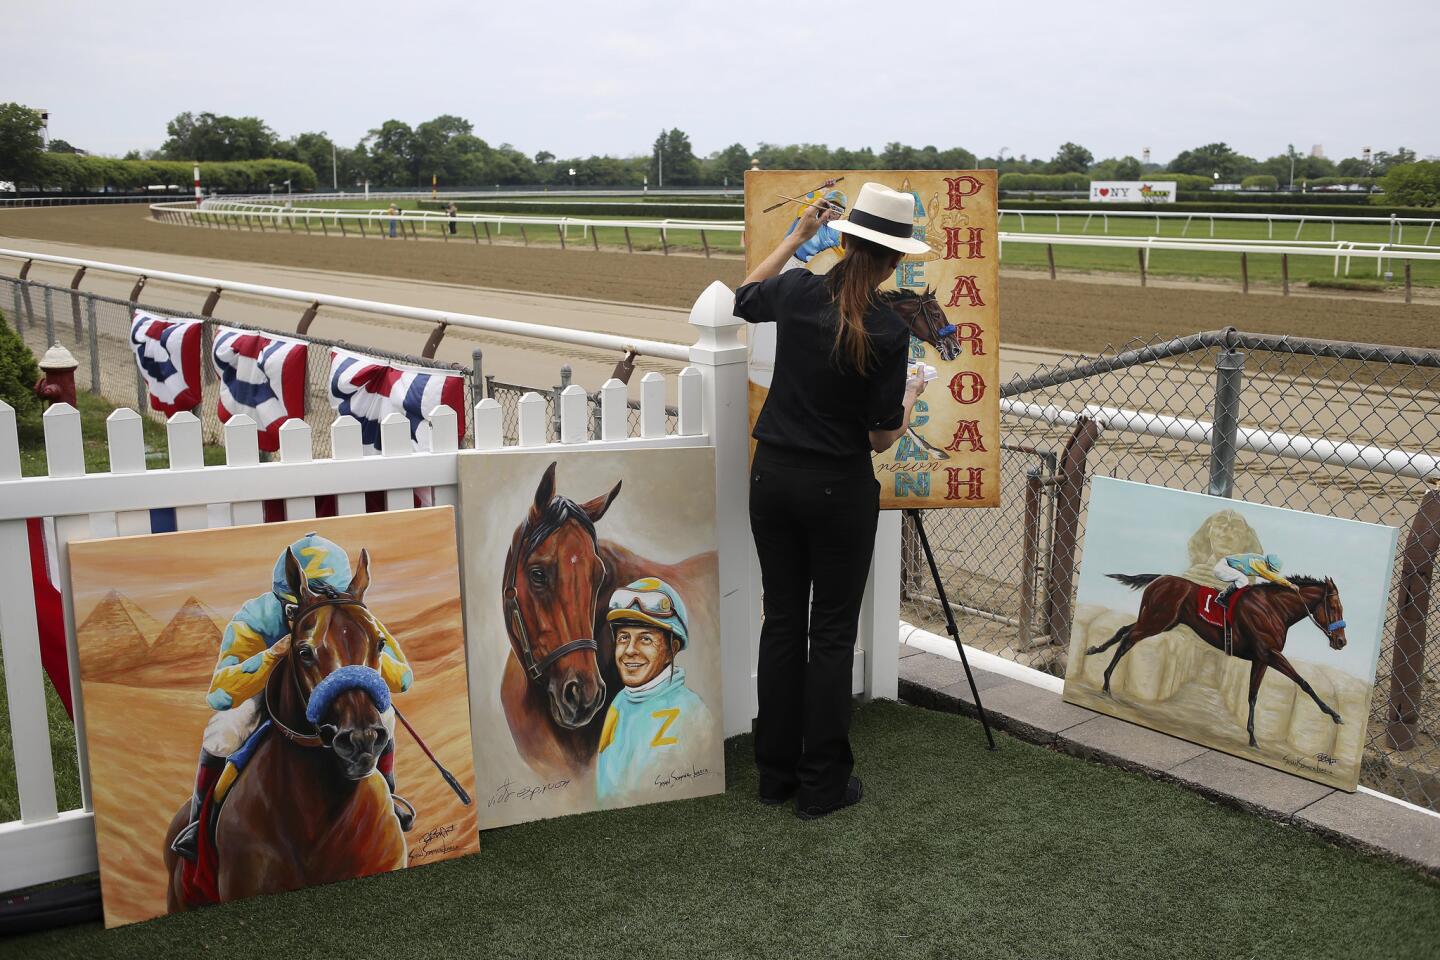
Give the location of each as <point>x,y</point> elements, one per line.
<point>955,852</point>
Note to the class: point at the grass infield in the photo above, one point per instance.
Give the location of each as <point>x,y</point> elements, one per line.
<point>955,852</point>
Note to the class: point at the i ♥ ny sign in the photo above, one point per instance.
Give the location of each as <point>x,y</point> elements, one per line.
<point>1132,191</point>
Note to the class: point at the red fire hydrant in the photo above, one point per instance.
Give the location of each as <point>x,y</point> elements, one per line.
<point>57,380</point>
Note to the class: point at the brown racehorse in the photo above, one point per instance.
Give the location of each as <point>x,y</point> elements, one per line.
<point>310,807</point>
<point>926,319</point>
<point>1262,617</point>
<point>560,675</point>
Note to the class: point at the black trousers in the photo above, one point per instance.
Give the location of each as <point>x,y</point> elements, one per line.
<point>814,526</point>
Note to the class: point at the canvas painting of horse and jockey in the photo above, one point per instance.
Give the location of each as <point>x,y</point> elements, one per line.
<point>262,704</point>
<point>1249,629</point>
<point>592,617</point>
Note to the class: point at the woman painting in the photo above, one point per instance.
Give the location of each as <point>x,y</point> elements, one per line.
<point>840,393</point>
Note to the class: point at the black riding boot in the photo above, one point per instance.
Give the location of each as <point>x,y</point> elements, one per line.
<point>404,809</point>
<point>187,841</point>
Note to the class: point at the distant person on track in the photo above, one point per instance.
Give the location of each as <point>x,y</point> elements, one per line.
<point>394,223</point>
<point>451,210</point>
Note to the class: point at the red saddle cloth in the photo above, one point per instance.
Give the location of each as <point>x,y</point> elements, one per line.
<point>1210,611</point>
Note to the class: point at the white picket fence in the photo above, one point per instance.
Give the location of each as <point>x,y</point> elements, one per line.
<point>47,843</point>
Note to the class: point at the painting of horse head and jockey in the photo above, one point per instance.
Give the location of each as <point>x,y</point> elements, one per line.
<point>272,707</point>
<point>592,612</point>
<point>1245,628</point>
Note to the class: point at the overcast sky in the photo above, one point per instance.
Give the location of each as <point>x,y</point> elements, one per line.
<point>583,77</point>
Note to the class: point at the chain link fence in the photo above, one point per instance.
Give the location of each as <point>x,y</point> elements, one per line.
<point>1144,413</point>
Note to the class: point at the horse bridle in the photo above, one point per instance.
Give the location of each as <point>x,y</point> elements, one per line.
<point>937,332</point>
<point>515,620</point>
<point>1325,604</point>
<point>326,596</point>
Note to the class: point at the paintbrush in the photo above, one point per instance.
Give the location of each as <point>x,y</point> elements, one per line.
<point>824,206</point>
<point>777,206</point>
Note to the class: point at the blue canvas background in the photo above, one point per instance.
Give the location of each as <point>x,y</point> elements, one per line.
<point>1139,528</point>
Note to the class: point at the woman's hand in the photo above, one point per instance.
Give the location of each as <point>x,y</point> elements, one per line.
<point>807,226</point>
<point>814,217</point>
<point>914,383</point>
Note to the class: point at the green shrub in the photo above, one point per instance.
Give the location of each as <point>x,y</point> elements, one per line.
<point>73,172</point>
<point>1260,181</point>
<point>1184,182</point>
<point>578,207</point>
<point>18,373</point>
<point>1413,184</point>
<point>1044,181</point>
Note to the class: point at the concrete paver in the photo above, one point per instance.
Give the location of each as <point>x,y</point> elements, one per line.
<point>1251,785</point>
<point>1127,745</point>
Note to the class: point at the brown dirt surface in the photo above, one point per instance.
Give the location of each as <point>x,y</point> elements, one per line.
<point>634,278</point>
<point>1063,315</point>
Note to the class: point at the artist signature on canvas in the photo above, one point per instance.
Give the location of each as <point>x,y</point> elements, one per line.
<point>434,843</point>
<point>680,776</point>
<point>1320,761</point>
<point>508,791</point>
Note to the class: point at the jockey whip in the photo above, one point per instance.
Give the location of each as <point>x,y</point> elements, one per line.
<point>777,206</point>
<point>449,777</point>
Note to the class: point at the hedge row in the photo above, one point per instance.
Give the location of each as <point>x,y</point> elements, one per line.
<point>1260,181</point>
<point>74,172</point>
<point>1044,181</point>
<point>675,211</point>
<point>1184,182</point>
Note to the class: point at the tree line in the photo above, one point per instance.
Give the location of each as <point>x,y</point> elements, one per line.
<point>447,151</point>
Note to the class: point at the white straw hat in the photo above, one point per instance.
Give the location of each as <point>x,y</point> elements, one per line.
<point>883,216</point>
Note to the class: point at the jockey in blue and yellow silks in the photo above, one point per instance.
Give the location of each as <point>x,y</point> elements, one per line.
<point>1237,569</point>
<point>255,640</point>
<point>656,723</point>
<point>827,237</point>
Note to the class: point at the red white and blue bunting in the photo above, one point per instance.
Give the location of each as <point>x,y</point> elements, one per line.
<point>262,376</point>
<point>167,353</point>
<point>369,389</point>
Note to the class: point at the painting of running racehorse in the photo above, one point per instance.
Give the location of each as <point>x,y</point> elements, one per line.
<point>592,612</point>
<point>273,707</point>
<point>1249,629</point>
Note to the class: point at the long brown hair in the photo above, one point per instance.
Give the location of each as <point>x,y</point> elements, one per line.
<point>853,283</point>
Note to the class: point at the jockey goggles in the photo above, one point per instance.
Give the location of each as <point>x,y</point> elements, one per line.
<point>649,606</point>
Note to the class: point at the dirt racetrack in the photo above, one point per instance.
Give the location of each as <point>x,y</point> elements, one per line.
<point>1080,316</point>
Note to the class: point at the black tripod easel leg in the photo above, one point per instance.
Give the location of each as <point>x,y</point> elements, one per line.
<point>914,516</point>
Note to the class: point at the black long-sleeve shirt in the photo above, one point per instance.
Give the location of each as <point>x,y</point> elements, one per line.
<point>819,402</point>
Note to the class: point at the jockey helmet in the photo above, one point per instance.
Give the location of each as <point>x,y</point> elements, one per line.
<point>653,601</point>
<point>1273,562</point>
<point>321,559</point>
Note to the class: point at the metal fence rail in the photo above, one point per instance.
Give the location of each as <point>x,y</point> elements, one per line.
<point>1348,430</point>
<point>96,329</point>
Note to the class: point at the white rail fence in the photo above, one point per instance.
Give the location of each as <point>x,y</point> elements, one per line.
<point>1343,250</point>
<point>381,222</point>
<point>47,843</point>
<point>1270,220</point>
<point>441,318</point>
<point>246,214</point>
